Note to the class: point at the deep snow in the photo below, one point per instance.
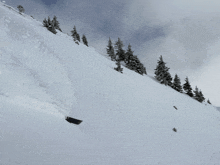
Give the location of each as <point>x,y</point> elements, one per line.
<point>127,118</point>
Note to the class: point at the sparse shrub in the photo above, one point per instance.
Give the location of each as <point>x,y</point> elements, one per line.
<point>20,8</point>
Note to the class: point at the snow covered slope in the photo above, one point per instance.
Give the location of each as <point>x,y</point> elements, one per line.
<point>127,118</point>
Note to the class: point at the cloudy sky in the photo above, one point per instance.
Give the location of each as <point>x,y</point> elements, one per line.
<point>185,32</point>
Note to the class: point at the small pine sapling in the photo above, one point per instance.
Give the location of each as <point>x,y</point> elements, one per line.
<point>45,23</point>
<point>84,40</point>
<point>49,25</point>
<point>21,9</point>
<point>78,37</point>
<point>75,35</point>
<point>208,101</point>
<point>201,98</point>
<point>119,68</point>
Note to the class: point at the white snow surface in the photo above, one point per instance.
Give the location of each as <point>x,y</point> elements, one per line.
<point>127,118</point>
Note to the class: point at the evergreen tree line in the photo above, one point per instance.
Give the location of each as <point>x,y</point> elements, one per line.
<point>118,54</point>
<point>164,77</point>
<point>54,24</point>
<point>76,36</point>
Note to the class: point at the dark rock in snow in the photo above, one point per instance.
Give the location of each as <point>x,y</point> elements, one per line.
<point>175,107</point>
<point>72,120</point>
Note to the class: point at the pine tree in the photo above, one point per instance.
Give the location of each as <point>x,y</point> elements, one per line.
<point>49,21</point>
<point>49,25</point>
<point>177,84</point>
<point>84,40</point>
<point>56,23</point>
<point>130,59</point>
<point>201,97</point>
<point>209,101</point>
<point>120,53</point>
<point>20,8</point>
<point>110,50</point>
<point>74,33</point>
<point>187,87</point>
<point>132,62</point>
<point>45,23</point>
<point>52,28</point>
<point>139,67</point>
<point>78,37</point>
<point>119,68</point>
<point>196,94</point>
<point>128,55</point>
<point>162,73</point>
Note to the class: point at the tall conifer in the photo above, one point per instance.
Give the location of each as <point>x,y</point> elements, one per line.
<point>120,53</point>
<point>74,33</point>
<point>132,62</point>
<point>78,37</point>
<point>177,84</point>
<point>187,87</point>
<point>128,55</point>
<point>56,23</point>
<point>162,73</point>
<point>84,39</point>
<point>201,97</point>
<point>110,50</point>
<point>196,94</point>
